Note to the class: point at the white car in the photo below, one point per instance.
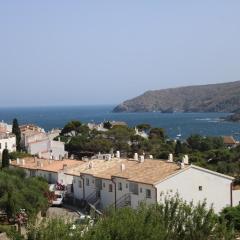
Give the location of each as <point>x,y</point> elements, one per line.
<point>58,200</point>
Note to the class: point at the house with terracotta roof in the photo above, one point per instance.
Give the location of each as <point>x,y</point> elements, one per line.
<point>121,182</point>
<point>229,141</point>
<point>52,170</point>
<point>38,142</point>
<point>7,141</point>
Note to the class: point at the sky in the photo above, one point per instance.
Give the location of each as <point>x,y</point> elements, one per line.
<point>104,52</point>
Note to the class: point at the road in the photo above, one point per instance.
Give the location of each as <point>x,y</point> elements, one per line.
<point>61,212</point>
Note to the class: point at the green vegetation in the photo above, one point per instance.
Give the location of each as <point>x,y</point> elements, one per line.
<point>18,192</point>
<point>15,155</point>
<point>5,159</point>
<point>17,132</point>
<point>208,152</point>
<point>173,219</point>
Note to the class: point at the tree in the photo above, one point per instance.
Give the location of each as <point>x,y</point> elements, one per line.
<point>232,215</point>
<point>178,147</point>
<point>72,126</point>
<point>5,159</point>
<point>107,125</point>
<point>143,127</point>
<point>17,132</point>
<point>157,133</point>
<point>18,192</point>
<point>171,219</point>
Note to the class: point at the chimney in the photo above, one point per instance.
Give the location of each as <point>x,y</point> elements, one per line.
<point>108,157</point>
<point>136,156</point>
<point>185,159</point>
<point>90,165</point>
<point>123,167</point>
<point>10,161</point>
<point>150,156</point>
<point>18,161</point>
<point>170,157</point>
<point>23,162</point>
<point>118,154</point>
<point>141,159</point>
<point>182,165</point>
<point>38,163</point>
<point>64,166</point>
<point>39,155</point>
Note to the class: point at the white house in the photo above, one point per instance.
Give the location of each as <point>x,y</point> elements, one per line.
<point>5,128</point>
<point>121,182</point>
<point>53,171</point>
<point>7,141</point>
<point>38,142</point>
<point>128,182</point>
<point>48,149</point>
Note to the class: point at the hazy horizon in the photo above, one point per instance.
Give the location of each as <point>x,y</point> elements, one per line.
<point>83,53</point>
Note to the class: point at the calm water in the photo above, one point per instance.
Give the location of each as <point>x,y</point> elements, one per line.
<point>185,123</point>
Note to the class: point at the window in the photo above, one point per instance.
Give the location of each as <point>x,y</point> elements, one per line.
<point>6,145</point>
<point>110,188</point>
<point>200,188</point>
<point>80,184</point>
<point>93,181</point>
<point>140,190</point>
<point>104,185</point>
<point>120,186</point>
<point>133,187</point>
<point>148,193</point>
<point>87,181</point>
<point>0,145</point>
<point>126,185</point>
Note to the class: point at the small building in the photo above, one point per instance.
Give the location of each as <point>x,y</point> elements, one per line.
<point>5,128</point>
<point>38,142</point>
<point>7,141</point>
<point>48,149</point>
<point>53,171</point>
<point>229,141</point>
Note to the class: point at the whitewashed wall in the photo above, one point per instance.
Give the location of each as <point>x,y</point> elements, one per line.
<point>215,189</point>
<point>236,197</point>
<point>78,191</point>
<point>9,143</point>
<point>141,197</point>
<point>107,198</point>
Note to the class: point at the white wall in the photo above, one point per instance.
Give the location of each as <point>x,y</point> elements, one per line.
<point>215,189</point>
<point>107,198</point>
<point>78,191</point>
<point>141,197</point>
<point>10,144</point>
<point>47,149</point>
<point>236,197</point>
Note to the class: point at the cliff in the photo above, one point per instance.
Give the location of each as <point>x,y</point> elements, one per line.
<point>223,97</point>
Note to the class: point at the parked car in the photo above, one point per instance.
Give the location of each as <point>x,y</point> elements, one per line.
<point>58,199</point>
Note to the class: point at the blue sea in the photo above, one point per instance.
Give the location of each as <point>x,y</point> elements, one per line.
<point>207,124</point>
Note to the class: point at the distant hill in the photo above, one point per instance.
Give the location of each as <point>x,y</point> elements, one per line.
<point>223,97</point>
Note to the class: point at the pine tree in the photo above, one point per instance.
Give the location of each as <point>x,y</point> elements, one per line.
<point>17,132</point>
<point>5,159</point>
<point>178,147</point>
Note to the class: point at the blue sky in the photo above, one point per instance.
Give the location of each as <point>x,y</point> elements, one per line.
<point>103,52</point>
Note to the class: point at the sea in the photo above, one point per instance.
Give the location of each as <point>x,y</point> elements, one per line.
<point>175,124</point>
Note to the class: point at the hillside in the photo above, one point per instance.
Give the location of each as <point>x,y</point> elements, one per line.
<point>223,97</point>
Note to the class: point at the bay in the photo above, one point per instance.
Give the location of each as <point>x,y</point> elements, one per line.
<point>207,124</point>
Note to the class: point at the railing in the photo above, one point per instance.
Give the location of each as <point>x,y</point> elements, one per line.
<point>123,201</point>
<point>93,197</point>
